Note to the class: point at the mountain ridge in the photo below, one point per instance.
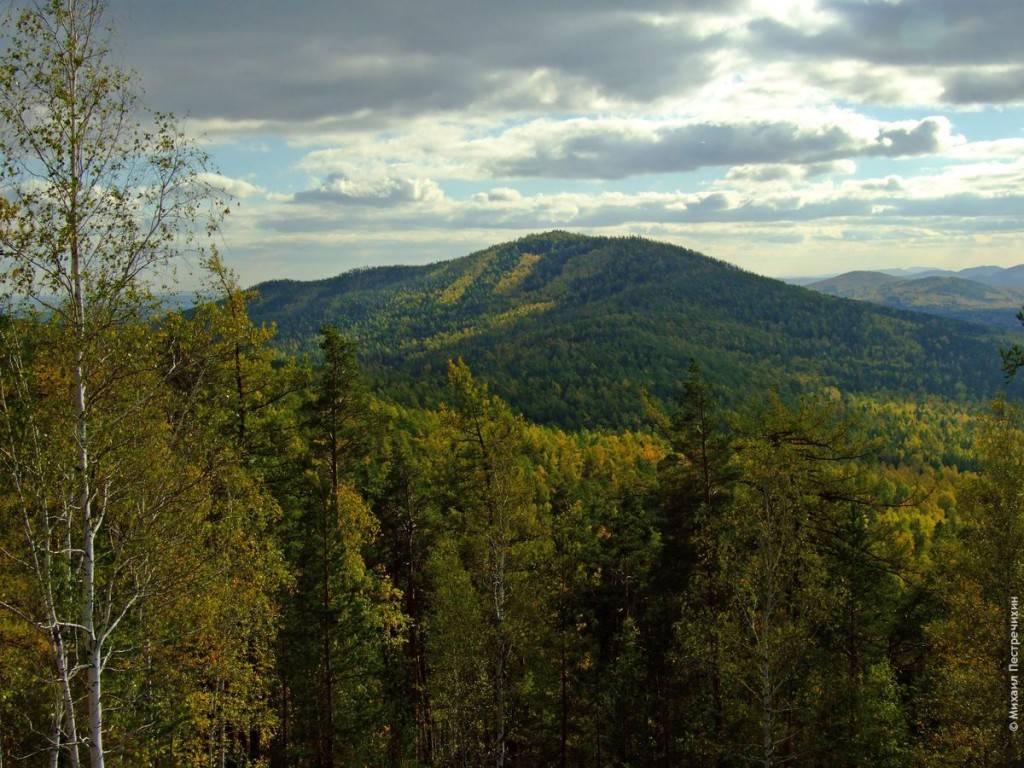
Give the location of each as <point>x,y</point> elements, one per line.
<point>976,294</point>
<point>572,329</point>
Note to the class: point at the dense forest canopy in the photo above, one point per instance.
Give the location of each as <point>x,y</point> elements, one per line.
<point>567,501</point>
<point>571,330</point>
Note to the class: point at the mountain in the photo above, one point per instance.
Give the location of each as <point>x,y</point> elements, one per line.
<point>980,273</point>
<point>978,294</point>
<point>856,285</point>
<point>572,329</point>
<point>1012,277</point>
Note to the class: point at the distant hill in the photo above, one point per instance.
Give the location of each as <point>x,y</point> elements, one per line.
<point>979,294</point>
<point>571,329</point>
<point>855,285</point>
<point>1012,277</point>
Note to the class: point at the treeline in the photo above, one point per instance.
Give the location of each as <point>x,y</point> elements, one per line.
<point>289,571</point>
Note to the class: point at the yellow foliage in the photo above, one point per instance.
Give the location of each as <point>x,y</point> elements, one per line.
<point>491,322</point>
<point>513,279</point>
<point>457,288</point>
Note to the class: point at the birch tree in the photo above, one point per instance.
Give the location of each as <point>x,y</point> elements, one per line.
<point>97,200</point>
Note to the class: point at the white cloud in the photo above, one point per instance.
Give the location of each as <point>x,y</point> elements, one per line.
<point>498,195</point>
<point>818,141</point>
<point>339,189</point>
<point>236,188</point>
<point>1009,148</point>
<point>955,194</point>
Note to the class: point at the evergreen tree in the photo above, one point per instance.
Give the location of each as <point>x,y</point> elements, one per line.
<point>342,614</point>
<point>695,485</point>
<point>409,528</point>
<point>810,584</point>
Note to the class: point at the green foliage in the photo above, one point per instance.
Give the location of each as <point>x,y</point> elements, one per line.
<point>342,616</point>
<point>295,570</point>
<point>268,563</point>
<point>570,330</point>
<point>812,577</point>
<point>978,571</point>
<point>500,534</point>
<point>465,587</point>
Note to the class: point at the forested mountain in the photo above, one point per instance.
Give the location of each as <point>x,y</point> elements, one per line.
<point>987,295</point>
<point>571,329</point>
<point>218,554</point>
<point>1000,277</point>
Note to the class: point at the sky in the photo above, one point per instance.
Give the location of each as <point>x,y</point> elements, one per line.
<point>789,137</point>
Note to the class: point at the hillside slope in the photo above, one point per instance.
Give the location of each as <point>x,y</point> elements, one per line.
<point>571,329</point>
<point>987,295</point>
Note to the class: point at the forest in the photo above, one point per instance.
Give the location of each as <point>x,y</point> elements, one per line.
<point>218,548</point>
<point>571,330</point>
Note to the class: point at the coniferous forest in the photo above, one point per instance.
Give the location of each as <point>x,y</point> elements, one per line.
<point>785,534</point>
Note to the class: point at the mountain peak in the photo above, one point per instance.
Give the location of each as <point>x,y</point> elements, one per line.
<point>571,329</point>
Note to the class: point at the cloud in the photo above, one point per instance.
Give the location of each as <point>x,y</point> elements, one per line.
<point>795,143</point>
<point>498,195</point>
<point>942,201</point>
<point>908,52</point>
<point>252,66</point>
<point>764,174</point>
<point>944,33</point>
<point>999,149</point>
<point>788,174</point>
<point>926,137</point>
<point>595,149</point>
<point>793,119</point>
<point>236,188</point>
<point>338,189</point>
<point>1002,85</point>
<point>253,60</point>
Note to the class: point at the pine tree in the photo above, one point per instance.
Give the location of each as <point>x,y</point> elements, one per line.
<point>343,616</point>
<point>812,592</point>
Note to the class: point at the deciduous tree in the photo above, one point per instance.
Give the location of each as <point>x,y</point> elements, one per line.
<point>97,200</point>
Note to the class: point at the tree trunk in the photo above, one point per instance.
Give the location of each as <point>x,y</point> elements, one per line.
<point>94,645</point>
<point>67,702</point>
<point>88,585</point>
